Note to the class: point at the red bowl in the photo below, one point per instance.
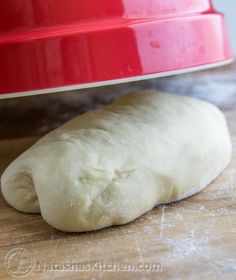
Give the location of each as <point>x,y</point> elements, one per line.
<point>55,45</point>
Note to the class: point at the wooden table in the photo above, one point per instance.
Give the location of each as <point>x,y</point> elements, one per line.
<point>191,239</point>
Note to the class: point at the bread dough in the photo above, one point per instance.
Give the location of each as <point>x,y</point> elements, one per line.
<point>111,165</point>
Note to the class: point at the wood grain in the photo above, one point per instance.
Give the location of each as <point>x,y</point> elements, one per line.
<point>193,238</point>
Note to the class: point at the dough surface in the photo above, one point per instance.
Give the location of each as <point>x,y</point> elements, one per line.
<point>111,165</point>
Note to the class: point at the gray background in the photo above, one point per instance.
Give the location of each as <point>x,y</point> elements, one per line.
<point>228,7</point>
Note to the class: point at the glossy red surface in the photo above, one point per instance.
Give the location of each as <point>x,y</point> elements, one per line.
<point>58,43</point>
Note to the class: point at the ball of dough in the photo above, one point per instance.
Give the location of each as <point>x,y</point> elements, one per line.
<point>111,165</point>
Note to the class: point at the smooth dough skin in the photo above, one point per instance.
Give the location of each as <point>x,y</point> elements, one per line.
<point>111,165</point>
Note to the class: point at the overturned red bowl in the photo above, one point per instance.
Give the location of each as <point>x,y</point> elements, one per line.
<point>55,45</point>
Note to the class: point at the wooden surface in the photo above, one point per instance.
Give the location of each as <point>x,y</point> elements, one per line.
<point>191,239</point>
